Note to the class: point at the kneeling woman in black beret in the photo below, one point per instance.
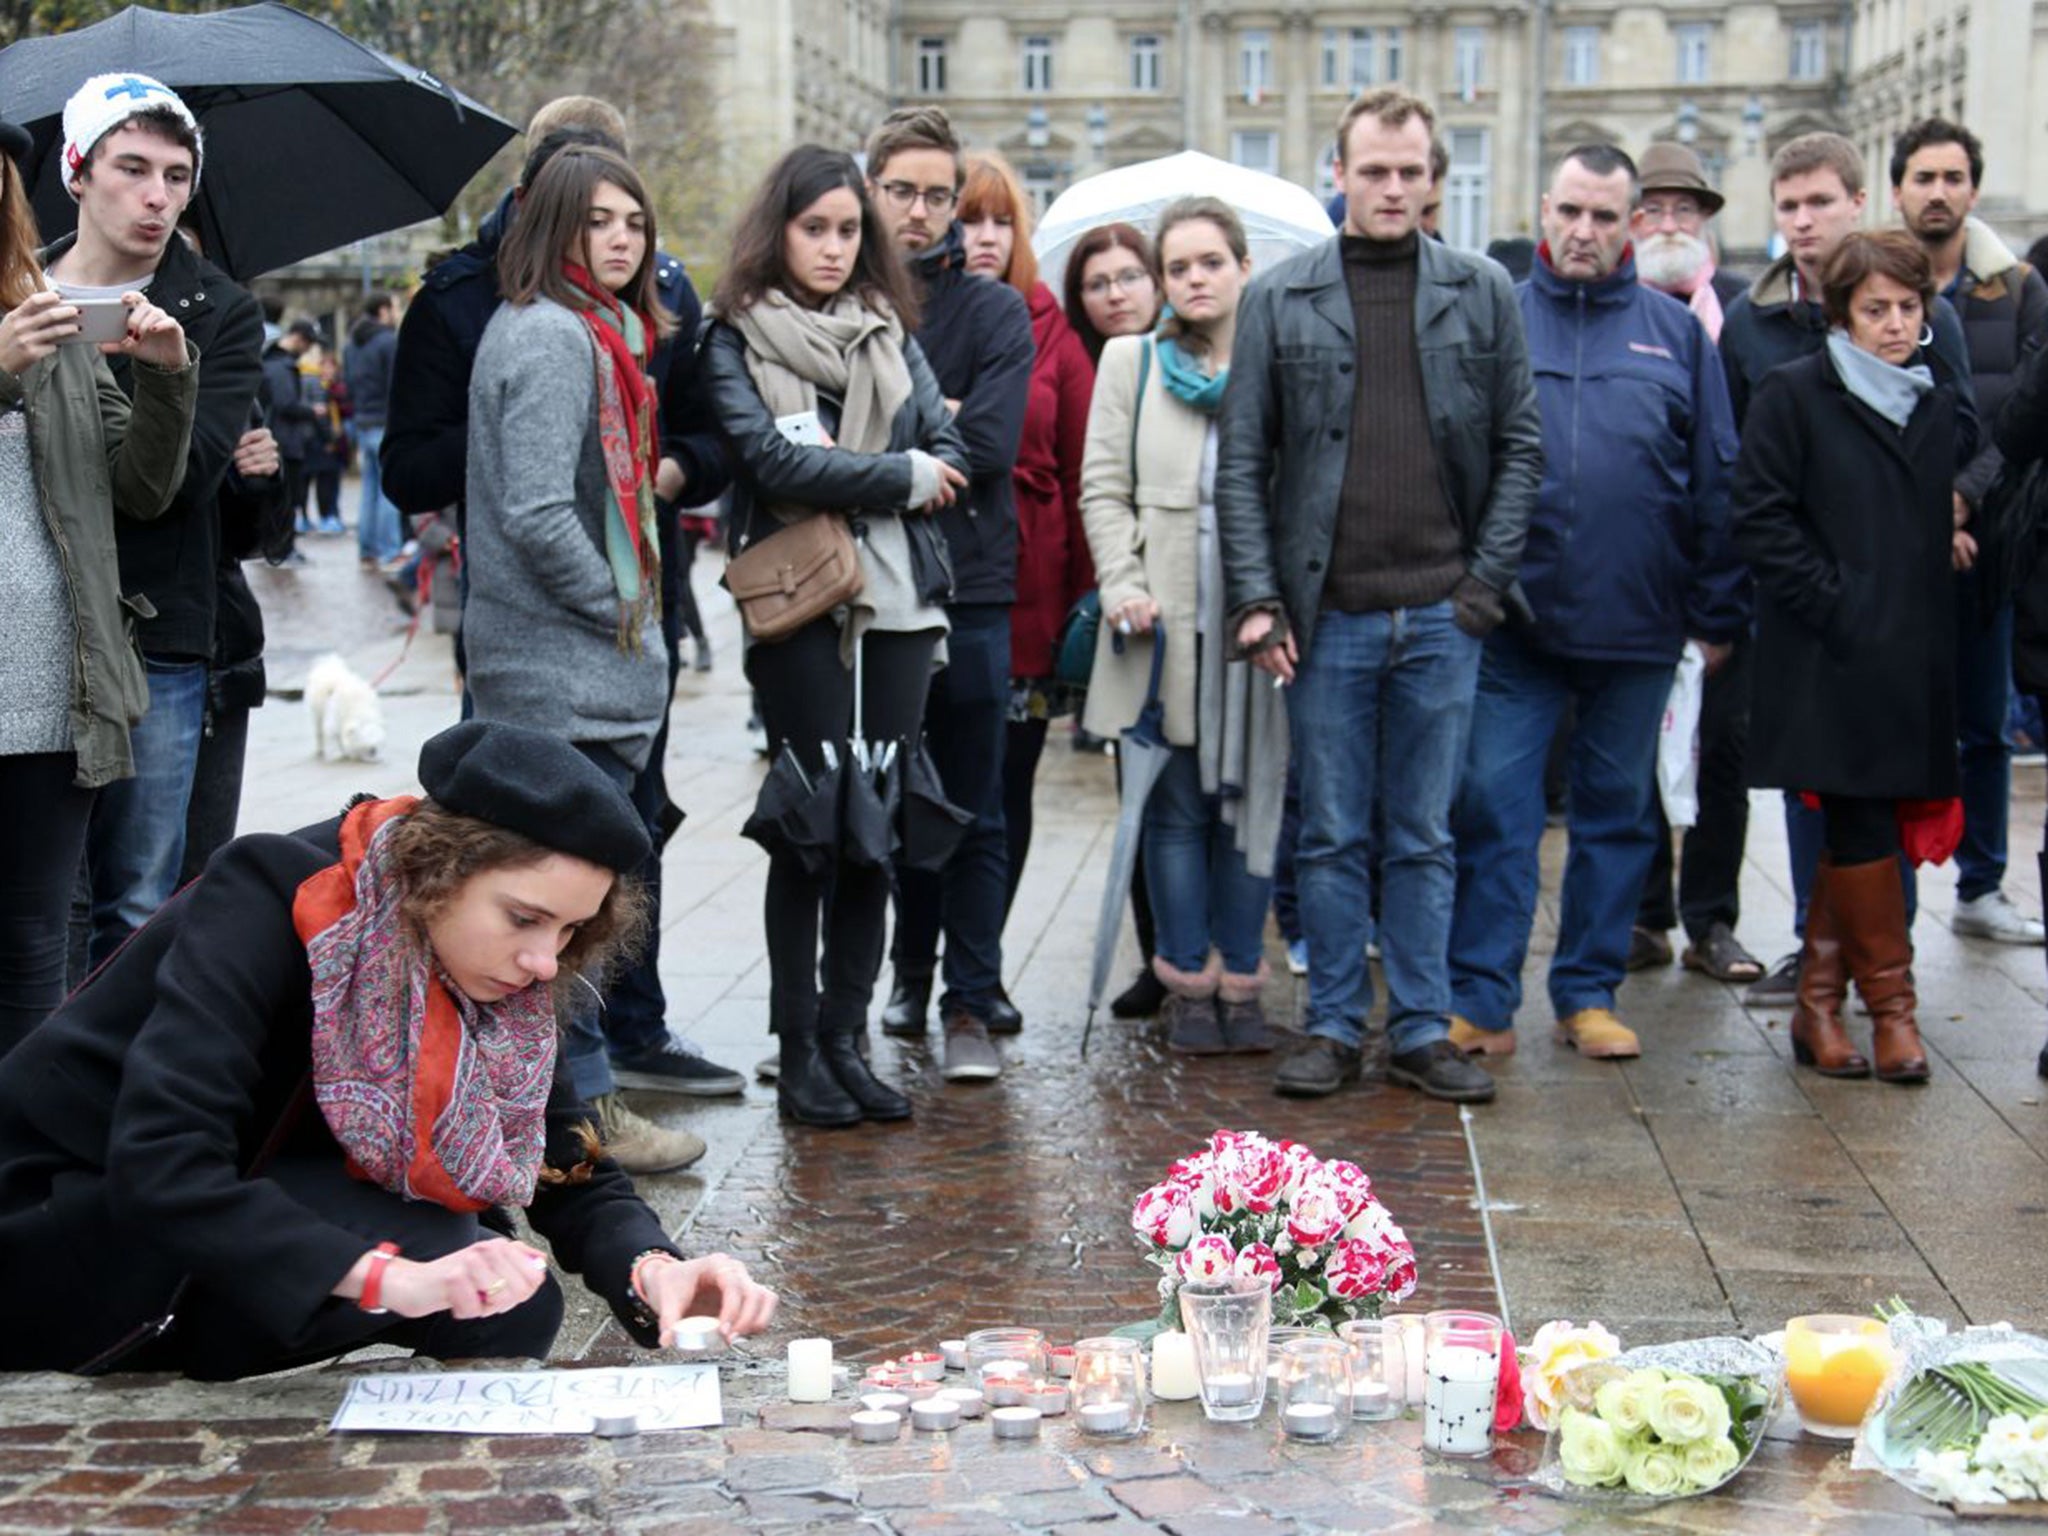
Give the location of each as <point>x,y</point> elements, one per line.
<point>288,1117</point>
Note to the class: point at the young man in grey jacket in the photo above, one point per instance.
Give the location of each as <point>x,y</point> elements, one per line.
<point>1379,456</point>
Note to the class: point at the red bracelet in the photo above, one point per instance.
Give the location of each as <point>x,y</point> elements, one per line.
<point>373,1282</point>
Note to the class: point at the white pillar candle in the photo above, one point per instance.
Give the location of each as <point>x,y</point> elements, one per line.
<point>1458,1402</point>
<point>810,1370</point>
<point>1309,1421</point>
<point>1106,1418</point>
<point>1014,1423</point>
<point>875,1426</point>
<point>1173,1367</point>
<point>1230,1389</point>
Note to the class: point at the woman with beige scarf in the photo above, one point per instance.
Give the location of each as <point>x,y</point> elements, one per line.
<point>828,408</point>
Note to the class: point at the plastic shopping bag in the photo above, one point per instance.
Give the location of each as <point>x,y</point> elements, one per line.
<point>1678,745</point>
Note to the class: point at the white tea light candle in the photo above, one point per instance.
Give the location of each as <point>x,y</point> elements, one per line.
<point>885,1402</point>
<point>972,1404</point>
<point>1230,1389</point>
<point>810,1370</point>
<point>873,1426</point>
<point>935,1414</point>
<point>1106,1418</point>
<point>954,1353</point>
<point>1014,1423</point>
<point>1309,1421</point>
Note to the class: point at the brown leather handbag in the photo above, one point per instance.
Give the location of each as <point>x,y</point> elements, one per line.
<point>796,573</point>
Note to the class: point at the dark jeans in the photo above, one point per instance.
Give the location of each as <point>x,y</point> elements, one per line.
<point>806,699</point>
<point>1710,869</point>
<point>1983,690</point>
<point>42,836</point>
<point>1024,744</point>
<point>216,801</point>
<point>585,1027</point>
<point>965,724</point>
<point>136,844</point>
<point>636,1006</point>
<point>212,1340</point>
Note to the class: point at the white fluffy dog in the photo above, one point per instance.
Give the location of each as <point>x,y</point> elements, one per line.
<point>346,715</point>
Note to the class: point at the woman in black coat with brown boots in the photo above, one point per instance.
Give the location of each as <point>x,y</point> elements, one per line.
<point>1843,509</point>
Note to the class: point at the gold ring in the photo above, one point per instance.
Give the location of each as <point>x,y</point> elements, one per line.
<point>494,1287</point>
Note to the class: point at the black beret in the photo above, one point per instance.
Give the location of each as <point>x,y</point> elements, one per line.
<point>15,143</point>
<point>538,786</point>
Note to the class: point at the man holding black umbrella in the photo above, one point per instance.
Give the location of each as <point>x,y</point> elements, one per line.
<point>132,158</point>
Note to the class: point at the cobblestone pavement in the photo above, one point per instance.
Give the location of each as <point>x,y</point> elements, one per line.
<point>1706,1188</point>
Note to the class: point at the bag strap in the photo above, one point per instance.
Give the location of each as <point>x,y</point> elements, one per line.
<point>1138,407</point>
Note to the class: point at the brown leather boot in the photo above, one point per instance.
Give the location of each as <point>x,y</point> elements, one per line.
<point>1818,1039</point>
<point>1870,915</point>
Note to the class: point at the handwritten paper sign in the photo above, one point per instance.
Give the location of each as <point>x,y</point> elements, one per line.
<point>532,1402</point>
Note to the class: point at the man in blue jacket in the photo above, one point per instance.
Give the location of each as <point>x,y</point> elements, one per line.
<point>1628,557</point>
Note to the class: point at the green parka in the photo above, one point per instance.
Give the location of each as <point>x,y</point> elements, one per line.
<point>97,456</point>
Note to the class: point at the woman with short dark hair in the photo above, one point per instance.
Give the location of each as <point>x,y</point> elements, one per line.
<point>1842,506</point>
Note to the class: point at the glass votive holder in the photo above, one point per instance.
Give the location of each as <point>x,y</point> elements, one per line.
<point>1229,1324</point>
<point>999,1354</point>
<point>1461,1369</point>
<point>1285,1334</point>
<point>1374,1347</point>
<point>1107,1394</point>
<point>1315,1387</point>
<point>1835,1364</point>
<point>1406,1347</point>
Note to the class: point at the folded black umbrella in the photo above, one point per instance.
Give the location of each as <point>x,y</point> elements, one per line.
<point>313,140</point>
<point>931,826</point>
<point>796,816</point>
<point>869,819</point>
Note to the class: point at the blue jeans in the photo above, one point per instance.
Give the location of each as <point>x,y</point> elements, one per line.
<point>584,1048</point>
<point>966,722</point>
<point>1202,894</point>
<point>1379,713</point>
<point>136,842</point>
<point>1499,822</point>
<point>1983,689</point>
<point>379,534</point>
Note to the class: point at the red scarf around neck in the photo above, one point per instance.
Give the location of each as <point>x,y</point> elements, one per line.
<point>640,463</point>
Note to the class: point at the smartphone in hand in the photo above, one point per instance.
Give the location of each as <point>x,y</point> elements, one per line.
<point>804,429</point>
<point>99,321</point>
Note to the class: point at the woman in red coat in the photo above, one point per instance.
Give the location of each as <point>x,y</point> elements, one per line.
<point>1053,567</point>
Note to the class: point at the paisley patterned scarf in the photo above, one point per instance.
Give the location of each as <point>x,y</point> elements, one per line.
<point>432,1096</point>
<point>623,339</point>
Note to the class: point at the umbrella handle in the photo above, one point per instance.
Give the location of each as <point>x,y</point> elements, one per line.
<point>860,645</point>
<point>1116,644</point>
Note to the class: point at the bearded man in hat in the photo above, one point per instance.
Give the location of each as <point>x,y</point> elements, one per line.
<point>132,157</point>
<point>1675,255</point>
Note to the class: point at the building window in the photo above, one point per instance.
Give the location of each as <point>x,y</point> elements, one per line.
<point>1145,63</point>
<point>1390,55</point>
<point>1041,185</point>
<point>1581,55</point>
<point>1467,184</point>
<point>1326,173</point>
<point>1256,149</point>
<point>931,66</point>
<point>1351,57</point>
<point>1693,41</point>
<point>1468,61</point>
<point>1809,50</point>
<point>1255,64</point>
<point>1037,65</point>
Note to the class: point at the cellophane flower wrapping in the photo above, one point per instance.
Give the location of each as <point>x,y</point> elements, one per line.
<point>1668,1421</point>
<point>1245,1207</point>
<point>1926,1433</point>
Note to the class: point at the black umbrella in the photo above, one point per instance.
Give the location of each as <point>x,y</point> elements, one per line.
<point>313,140</point>
<point>932,826</point>
<point>795,815</point>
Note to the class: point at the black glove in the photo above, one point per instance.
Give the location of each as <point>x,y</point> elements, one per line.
<point>1476,608</point>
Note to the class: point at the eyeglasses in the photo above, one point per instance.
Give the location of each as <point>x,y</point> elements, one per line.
<point>901,194</point>
<point>1129,280</point>
<point>1679,211</point>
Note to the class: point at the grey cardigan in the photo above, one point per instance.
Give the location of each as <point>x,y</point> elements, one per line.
<point>541,621</point>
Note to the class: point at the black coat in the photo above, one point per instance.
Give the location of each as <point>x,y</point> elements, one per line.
<point>128,1116</point>
<point>2021,431</point>
<point>1846,524</point>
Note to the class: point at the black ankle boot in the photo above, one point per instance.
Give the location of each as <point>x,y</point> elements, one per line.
<point>909,1002</point>
<point>839,1035</point>
<point>808,1091</point>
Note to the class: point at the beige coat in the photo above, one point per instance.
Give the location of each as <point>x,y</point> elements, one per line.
<point>1143,538</point>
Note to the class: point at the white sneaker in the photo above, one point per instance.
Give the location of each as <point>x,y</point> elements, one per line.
<point>1297,957</point>
<point>1991,916</point>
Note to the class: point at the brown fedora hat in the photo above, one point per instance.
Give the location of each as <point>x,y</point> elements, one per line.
<point>1668,167</point>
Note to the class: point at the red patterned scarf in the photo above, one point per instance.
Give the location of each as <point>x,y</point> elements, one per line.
<point>432,1096</point>
<point>624,340</point>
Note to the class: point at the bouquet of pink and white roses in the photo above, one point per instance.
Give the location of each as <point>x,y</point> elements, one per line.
<point>1252,1208</point>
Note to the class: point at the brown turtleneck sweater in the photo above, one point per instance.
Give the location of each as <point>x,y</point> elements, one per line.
<point>1397,543</point>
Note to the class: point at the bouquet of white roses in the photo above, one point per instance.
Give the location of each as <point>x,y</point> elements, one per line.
<point>1252,1208</point>
<point>1963,1418</point>
<point>1661,1423</point>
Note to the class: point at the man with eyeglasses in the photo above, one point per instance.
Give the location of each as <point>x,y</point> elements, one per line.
<point>1675,255</point>
<point>976,334</point>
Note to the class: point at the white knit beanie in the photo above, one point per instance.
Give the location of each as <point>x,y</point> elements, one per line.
<point>104,103</point>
